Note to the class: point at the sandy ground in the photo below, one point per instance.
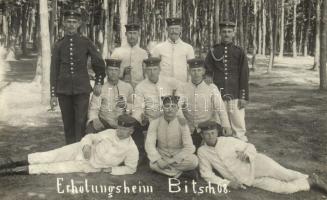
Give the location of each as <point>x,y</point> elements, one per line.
<point>286,120</point>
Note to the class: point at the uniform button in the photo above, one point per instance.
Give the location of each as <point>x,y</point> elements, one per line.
<point>71,63</point>
<point>225,51</point>
<point>225,78</point>
<point>225,47</point>
<point>225,56</point>
<point>71,44</point>
<point>71,53</point>
<point>225,61</point>
<point>71,68</point>
<point>71,39</point>
<point>71,49</point>
<point>226,74</point>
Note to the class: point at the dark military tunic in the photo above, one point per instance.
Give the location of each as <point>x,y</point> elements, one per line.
<point>227,65</point>
<point>69,73</point>
<point>70,81</point>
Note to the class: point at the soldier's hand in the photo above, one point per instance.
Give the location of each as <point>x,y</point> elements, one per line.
<point>97,90</point>
<point>162,164</point>
<point>227,131</point>
<point>87,152</point>
<point>236,185</point>
<point>242,156</point>
<point>242,103</point>
<point>208,80</point>
<point>145,120</point>
<point>53,102</point>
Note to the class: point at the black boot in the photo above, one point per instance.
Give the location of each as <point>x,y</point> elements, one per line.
<point>21,170</point>
<point>11,163</point>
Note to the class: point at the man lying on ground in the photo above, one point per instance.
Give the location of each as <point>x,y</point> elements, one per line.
<point>240,165</point>
<point>112,151</point>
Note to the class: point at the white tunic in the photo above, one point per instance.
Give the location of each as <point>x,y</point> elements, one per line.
<point>201,103</point>
<point>147,98</point>
<point>174,58</point>
<point>168,140</point>
<point>104,106</point>
<point>131,56</point>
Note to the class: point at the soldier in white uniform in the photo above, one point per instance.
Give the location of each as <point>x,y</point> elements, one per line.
<point>168,143</point>
<point>174,53</point>
<point>241,165</point>
<point>148,93</point>
<point>132,56</point>
<point>115,99</point>
<point>202,102</point>
<point>112,151</point>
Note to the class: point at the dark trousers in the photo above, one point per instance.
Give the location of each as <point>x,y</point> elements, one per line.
<point>74,115</point>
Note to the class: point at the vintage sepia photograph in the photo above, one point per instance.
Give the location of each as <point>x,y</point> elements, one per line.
<point>163,99</point>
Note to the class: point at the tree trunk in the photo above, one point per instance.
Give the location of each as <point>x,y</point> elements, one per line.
<point>217,7</point>
<point>45,50</point>
<point>271,37</point>
<point>25,13</point>
<point>5,27</point>
<point>323,46</point>
<point>105,48</point>
<point>254,42</point>
<point>260,28</point>
<point>226,10</point>
<point>294,28</point>
<point>264,27</point>
<point>53,20</point>
<point>317,36</point>
<point>281,33</point>
<point>240,23</point>
<point>123,20</point>
<point>307,29</point>
<point>173,8</point>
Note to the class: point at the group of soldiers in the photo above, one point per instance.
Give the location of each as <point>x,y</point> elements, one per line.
<point>190,112</point>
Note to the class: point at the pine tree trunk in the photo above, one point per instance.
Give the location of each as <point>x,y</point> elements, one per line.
<point>105,47</point>
<point>217,13</point>
<point>5,27</point>
<point>317,36</point>
<point>260,28</point>
<point>173,8</point>
<point>226,10</point>
<point>294,28</point>
<point>53,20</point>
<point>123,21</point>
<point>307,29</point>
<point>271,37</point>
<point>264,27</point>
<point>25,13</point>
<point>240,23</point>
<point>45,50</point>
<point>323,46</point>
<point>281,33</point>
<point>254,42</point>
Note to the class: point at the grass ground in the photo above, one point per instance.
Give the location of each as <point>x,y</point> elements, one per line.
<point>286,120</point>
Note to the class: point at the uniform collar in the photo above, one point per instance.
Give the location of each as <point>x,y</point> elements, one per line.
<point>227,44</point>
<point>176,42</point>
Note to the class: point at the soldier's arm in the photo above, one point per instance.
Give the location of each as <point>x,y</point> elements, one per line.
<point>244,77</point>
<point>98,64</point>
<point>54,69</point>
<point>208,65</point>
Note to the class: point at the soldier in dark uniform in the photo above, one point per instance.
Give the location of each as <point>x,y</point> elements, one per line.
<point>227,67</point>
<point>69,77</point>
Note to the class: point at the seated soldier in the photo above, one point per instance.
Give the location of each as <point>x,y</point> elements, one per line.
<point>112,151</point>
<point>169,144</point>
<point>147,102</point>
<point>115,98</point>
<point>240,165</point>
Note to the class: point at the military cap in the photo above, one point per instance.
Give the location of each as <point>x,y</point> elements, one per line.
<point>229,24</point>
<point>208,125</point>
<point>152,61</point>
<point>173,21</point>
<point>170,99</point>
<point>72,14</point>
<point>132,27</point>
<point>195,62</point>
<point>113,62</point>
<point>126,120</point>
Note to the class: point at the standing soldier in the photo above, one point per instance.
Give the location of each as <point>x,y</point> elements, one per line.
<point>226,65</point>
<point>131,55</point>
<point>174,53</point>
<point>69,77</point>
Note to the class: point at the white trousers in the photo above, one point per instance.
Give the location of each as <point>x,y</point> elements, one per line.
<point>67,159</point>
<point>190,162</point>
<point>271,176</point>
<point>236,118</point>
